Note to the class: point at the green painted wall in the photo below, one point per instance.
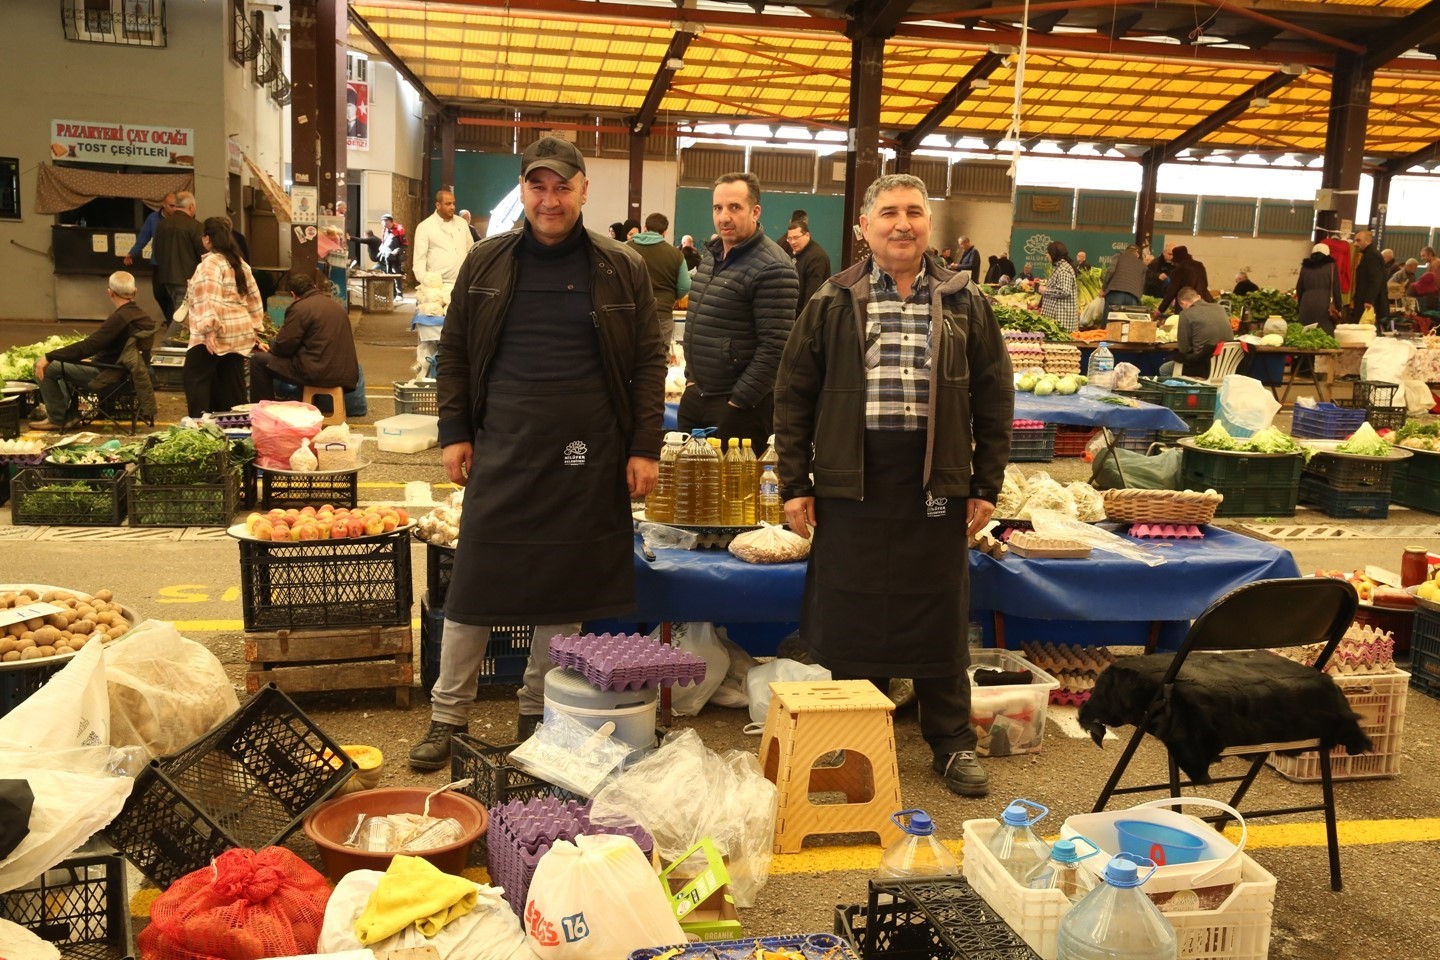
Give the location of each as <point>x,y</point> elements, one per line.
<point>481,181</point>
<point>827,217</point>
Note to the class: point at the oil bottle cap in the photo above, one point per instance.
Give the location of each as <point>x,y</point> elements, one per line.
<point>675,436</point>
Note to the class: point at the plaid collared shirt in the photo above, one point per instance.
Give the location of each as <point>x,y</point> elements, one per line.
<point>897,353</point>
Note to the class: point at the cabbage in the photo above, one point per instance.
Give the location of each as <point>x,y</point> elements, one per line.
<point>18,363</point>
<point>1365,442</point>
<point>1216,438</point>
<point>1271,440</point>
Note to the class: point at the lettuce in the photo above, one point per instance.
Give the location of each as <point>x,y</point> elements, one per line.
<point>1365,442</point>
<point>18,363</point>
<point>1216,438</point>
<point>1271,440</point>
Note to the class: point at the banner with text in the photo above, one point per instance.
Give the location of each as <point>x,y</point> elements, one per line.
<point>122,143</point>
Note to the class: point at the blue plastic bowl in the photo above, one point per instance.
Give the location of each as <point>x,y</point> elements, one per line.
<point>1165,845</point>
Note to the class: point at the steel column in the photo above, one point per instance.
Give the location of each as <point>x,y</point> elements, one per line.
<point>862,157</point>
<point>1345,141</point>
<point>317,110</point>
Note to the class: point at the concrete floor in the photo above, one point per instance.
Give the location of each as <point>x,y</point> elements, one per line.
<point>1390,825</point>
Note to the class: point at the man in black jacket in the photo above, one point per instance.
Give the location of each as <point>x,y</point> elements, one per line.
<point>1370,278</point>
<point>812,263</point>
<point>60,371</point>
<point>315,347</point>
<point>742,305</point>
<point>178,250</point>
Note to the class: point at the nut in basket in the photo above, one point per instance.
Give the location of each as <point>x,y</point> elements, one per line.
<point>1162,506</point>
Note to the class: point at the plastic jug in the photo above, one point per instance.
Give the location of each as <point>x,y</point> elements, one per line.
<point>660,502</point>
<point>1064,872</point>
<point>1102,366</point>
<point>1021,853</point>
<point>735,479</point>
<point>1116,921</point>
<point>919,853</point>
<point>771,507</point>
<point>750,489</point>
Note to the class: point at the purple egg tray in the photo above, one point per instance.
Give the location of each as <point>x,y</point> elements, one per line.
<point>622,661</point>
<point>523,831</point>
<point>1166,531</point>
<point>231,421</point>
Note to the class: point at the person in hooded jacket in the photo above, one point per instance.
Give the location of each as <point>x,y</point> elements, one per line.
<point>1186,272</point>
<point>1318,288</point>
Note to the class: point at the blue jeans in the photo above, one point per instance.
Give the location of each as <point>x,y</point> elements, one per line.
<point>56,390</point>
<point>1116,299</point>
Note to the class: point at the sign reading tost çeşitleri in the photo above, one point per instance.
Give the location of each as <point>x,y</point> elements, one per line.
<point>122,143</point>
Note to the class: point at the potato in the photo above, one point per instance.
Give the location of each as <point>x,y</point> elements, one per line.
<point>10,657</point>
<point>106,617</point>
<point>28,635</point>
<point>105,595</point>
<point>84,626</point>
<point>61,651</point>
<point>47,635</point>
<point>46,651</point>
<point>23,645</point>
<point>30,653</point>
<point>35,623</point>
<point>30,593</point>
<point>65,636</point>
<point>76,642</point>
<point>85,611</point>
<point>7,644</point>
<point>116,632</point>
<point>5,599</point>
<point>17,629</point>
<point>57,620</point>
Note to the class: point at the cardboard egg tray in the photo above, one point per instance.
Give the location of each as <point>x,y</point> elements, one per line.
<point>626,661</point>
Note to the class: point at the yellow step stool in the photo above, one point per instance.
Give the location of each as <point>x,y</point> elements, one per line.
<point>807,720</point>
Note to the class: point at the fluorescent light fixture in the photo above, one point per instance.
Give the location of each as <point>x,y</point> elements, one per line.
<point>675,63</point>
<point>1294,69</point>
<point>980,83</point>
<point>1004,49</point>
<point>1260,103</point>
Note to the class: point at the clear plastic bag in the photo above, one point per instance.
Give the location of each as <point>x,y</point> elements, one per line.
<point>724,797</point>
<point>303,460</point>
<point>570,755</point>
<point>660,536</point>
<point>1050,523</point>
<point>770,544</point>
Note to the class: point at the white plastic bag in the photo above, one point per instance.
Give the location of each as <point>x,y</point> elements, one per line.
<point>702,640</point>
<point>490,931</point>
<point>757,684</point>
<point>597,899</point>
<point>732,692</point>
<point>1244,402</point>
<point>165,691</point>
<point>723,797</point>
<point>1127,376</point>
<point>77,693</point>
<point>1386,359</point>
<point>303,460</point>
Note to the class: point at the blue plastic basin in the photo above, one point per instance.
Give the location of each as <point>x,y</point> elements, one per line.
<point>1165,845</point>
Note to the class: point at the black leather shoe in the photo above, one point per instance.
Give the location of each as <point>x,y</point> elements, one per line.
<point>963,774</point>
<point>433,752</point>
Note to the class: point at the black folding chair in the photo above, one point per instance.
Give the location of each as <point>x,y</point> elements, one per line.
<point>1258,616</point>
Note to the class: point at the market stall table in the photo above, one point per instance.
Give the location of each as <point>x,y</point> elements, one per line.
<point>1084,410</point>
<point>1146,356</point>
<point>1319,374</point>
<point>379,290</point>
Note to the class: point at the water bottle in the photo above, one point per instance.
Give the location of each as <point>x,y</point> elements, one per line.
<point>1116,921</point>
<point>771,508</point>
<point>1064,872</point>
<point>1021,853</point>
<point>919,853</point>
<point>1102,366</point>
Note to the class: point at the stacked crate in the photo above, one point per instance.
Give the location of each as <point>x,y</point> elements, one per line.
<point>1383,405</point>
<point>1347,486</point>
<point>509,647</point>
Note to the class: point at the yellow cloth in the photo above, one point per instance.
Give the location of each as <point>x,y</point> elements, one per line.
<point>413,891</point>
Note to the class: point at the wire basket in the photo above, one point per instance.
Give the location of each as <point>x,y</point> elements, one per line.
<point>1161,506</point>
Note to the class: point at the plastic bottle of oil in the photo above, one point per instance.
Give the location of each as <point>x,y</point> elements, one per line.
<point>707,484</point>
<point>770,508</point>
<point>660,502</point>
<point>689,478</point>
<point>749,488</point>
<point>733,477</point>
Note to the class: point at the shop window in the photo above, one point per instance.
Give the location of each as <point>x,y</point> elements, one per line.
<point>9,188</point>
<point>128,22</point>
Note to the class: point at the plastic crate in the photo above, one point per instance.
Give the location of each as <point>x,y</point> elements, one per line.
<point>284,490</point>
<point>1380,701</point>
<point>9,418</point>
<point>1137,440</point>
<point>1189,397</point>
<point>326,583</point>
<point>247,783</point>
<point>1237,929</point>
<point>1071,441</point>
<point>89,501</point>
<point>1373,393</point>
<point>1253,486</point>
<point>1425,673</point>
<point>80,905</point>
<point>1325,421</point>
<point>1409,488</point>
<point>1009,720</point>
<point>1345,504</point>
<point>1196,422</point>
<point>493,780</point>
<point>189,505</point>
<point>439,569</point>
<point>811,946</point>
<point>1148,392</point>
<point>1386,418</point>
<point>1032,444</point>
<point>1351,474</point>
<point>505,656</point>
<point>213,469</point>
<point>929,919</point>
<point>417,398</point>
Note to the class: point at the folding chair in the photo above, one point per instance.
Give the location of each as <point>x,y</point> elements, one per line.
<point>1257,616</point>
<point>110,397</point>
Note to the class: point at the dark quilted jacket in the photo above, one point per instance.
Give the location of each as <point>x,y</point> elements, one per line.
<point>740,314</point>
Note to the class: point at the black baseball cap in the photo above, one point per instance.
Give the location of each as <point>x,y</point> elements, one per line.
<point>552,154</point>
<point>387,217</point>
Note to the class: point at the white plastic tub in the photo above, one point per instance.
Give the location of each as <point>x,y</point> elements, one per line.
<point>1010,719</point>
<point>407,433</point>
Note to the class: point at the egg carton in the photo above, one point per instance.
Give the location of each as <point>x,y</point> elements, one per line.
<point>626,661</point>
<point>1022,335</point>
<point>1056,548</point>
<point>523,831</point>
<point>1166,531</point>
<point>1028,424</point>
<point>1068,659</point>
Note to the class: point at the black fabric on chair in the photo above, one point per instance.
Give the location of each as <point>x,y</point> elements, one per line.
<point>1242,705</point>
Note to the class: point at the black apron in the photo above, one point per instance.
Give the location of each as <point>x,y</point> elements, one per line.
<point>887,589</point>
<point>546,534</point>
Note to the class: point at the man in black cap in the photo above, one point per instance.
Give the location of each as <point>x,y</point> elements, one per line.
<point>551,390</point>
<point>392,249</point>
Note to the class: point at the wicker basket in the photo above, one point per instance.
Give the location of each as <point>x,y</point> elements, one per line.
<point>1161,506</point>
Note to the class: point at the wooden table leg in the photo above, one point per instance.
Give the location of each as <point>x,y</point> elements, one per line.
<point>1153,640</point>
<point>999,619</point>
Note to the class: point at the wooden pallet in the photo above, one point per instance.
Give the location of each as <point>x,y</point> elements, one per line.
<point>306,661</point>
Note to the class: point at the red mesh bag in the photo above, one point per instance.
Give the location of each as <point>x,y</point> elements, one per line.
<point>245,906</point>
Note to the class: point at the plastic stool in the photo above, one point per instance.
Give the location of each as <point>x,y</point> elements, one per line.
<point>808,720</point>
<point>337,401</point>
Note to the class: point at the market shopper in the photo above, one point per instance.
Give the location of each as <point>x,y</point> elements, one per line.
<point>1157,272</point>
<point>692,255</point>
<point>145,237</point>
<point>551,392</point>
<point>438,247</point>
<point>893,369</point>
<point>742,305</point>
<point>128,328</point>
<point>669,276</point>
<point>1318,289</point>
<point>392,249</point>
<point>315,347</point>
<point>1058,301</point>
<point>226,318</point>
<point>1125,281</point>
<point>1370,278</point>
<point>812,263</point>
<point>1185,271</point>
<point>1244,286</point>
<point>969,258</point>
<point>1200,329</point>
<point>178,249</point>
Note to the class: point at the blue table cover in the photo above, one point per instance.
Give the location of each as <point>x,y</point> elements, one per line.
<point>1082,410</point>
<point>426,320</point>
<point>711,585</point>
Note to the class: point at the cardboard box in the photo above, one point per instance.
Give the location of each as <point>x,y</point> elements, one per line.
<point>1131,331</point>
<point>703,903</point>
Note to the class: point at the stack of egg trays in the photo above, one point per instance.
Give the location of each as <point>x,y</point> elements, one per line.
<point>626,661</point>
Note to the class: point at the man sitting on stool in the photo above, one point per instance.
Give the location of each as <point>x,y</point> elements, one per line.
<point>314,348</point>
<point>1201,327</point>
<point>59,372</point>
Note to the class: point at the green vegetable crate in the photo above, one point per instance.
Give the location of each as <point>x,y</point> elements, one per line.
<point>1190,398</point>
<point>182,505</point>
<point>1416,483</point>
<point>1254,485</point>
<point>1370,504</point>
<point>45,497</point>
<point>9,418</point>
<point>174,467</point>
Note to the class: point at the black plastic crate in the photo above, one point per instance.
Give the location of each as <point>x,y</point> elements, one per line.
<point>326,583</point>
<point>1425,673</point>
<point>1351,474</point>
<point>9,418</point>
<point>493,780</point>
<point>1373,393</point>
<point>1425,635</point>
<point>1386,418</point>
<point>83,501</point>
<point>247,783</point>
<point>1137,440</point>
<point>929,919</point>
<point>80,905</point>
<point>213,469</point>
<point>1196,422</point>
<point>188,505</point>
<point>1344,504</point>
<point>283,490</point>
<point>1417,492</point>
<point>505,655</point>
<point>18,682</point>
<point>1032,444</point>
<point>420,398</point>
<point>439,569</point>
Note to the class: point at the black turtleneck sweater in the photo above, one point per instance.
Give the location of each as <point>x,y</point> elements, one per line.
<point>550,330</point>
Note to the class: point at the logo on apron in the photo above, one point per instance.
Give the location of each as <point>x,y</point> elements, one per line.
<point>935,506</point>
<point>575,453</point>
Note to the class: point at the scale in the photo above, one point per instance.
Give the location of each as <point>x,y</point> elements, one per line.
<point>167,367</point>
<point>1126,316</point>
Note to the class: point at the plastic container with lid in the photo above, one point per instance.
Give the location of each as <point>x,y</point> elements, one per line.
<point>919,853</point>
<point>632,711</point>
<point>1116,921</point>
<point>407,433</point>
<point>660,502</point>
<point>1102,366</point>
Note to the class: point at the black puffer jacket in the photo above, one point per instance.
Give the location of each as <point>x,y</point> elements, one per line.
<point>741,310</point>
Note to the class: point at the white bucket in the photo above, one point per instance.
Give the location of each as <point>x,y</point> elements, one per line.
<point>634,725</point>
<point>1220,863</point>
